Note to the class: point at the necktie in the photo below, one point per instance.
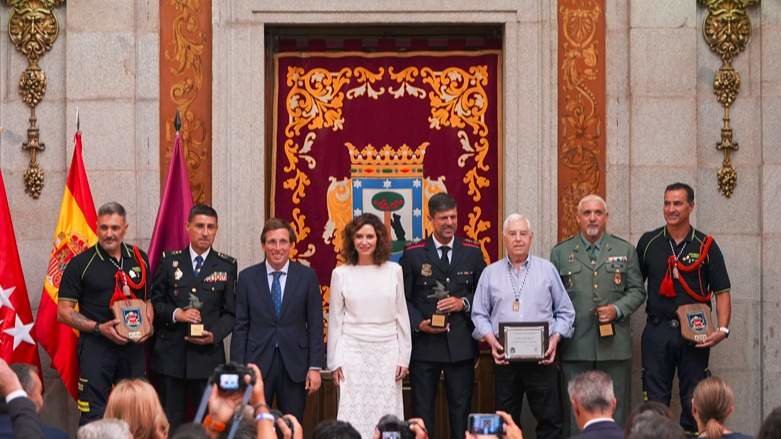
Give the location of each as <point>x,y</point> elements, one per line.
<point>593,252</point>
<point>445,249</point>
<point>276,292</point>
<point>198,264</point>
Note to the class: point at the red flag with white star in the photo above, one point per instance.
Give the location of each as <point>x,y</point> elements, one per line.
<point>16,318</point>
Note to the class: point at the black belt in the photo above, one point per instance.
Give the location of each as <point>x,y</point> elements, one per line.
<point>656,321</point>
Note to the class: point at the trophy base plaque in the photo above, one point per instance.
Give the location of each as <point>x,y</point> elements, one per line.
<point>196,330</point>
<point>606,329</point>
<point>131,314</point>
<point>439,320</point>
<point>696,323</point>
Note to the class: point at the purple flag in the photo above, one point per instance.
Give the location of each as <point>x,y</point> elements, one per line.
<point>169,232</point>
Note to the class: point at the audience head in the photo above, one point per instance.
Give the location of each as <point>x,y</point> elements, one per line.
<point>771,427</point>
<point>647,407</point>
<point>712,403</point>
<point>191,430</point>
<point>333,429</point>
<point>31,383</point>
<point>105,429</point>
<point>651,425</point>
<point>366,234</point>
<point>591,394</point>
<point>136,402</point>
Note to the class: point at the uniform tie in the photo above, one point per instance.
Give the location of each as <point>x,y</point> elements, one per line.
<point>445,249</point>
<point>198,264</point>
<point>276,292</point>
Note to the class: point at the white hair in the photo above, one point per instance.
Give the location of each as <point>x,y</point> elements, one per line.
<point>516,217</point>
<point>591,197</point>
<point>106,428</point>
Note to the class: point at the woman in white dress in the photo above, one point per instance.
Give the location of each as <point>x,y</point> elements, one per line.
<point>369,342</point>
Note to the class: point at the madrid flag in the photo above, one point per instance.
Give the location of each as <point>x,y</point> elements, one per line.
<point>76,231</point>
<point>16,318</point>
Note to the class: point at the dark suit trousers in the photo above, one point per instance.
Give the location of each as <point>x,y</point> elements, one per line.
<point>290,396</point>
<point>664,351</point>
<point>177,395</point>
<point>459,378</point>
<point>541,386</point>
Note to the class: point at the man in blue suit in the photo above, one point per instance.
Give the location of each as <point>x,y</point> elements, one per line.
<point>593,404</point>
<point>279,321</point>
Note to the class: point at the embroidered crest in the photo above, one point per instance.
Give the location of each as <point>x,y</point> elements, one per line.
<point>425,270</point>
<point>132,318</point>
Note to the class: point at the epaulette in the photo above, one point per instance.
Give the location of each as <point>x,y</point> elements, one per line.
<point>228,258</point>
<point>171,253</point>
<point>565,240</point>
<point>415,244</point>
<point>618,238</point>
<point>470,243</point>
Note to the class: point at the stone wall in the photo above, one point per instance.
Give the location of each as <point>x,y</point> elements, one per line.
<point>105,63</point>
<point>662,125</point>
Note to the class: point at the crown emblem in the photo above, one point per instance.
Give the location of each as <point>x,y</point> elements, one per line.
<point>386,162</point>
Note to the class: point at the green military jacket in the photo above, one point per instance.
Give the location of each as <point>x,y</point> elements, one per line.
<point>613,278</point>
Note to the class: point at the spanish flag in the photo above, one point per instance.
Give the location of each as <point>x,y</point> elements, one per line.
<point>75,232</point>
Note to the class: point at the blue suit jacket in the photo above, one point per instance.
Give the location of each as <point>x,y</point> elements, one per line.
<point>298,331</point>
<point>602,430</point>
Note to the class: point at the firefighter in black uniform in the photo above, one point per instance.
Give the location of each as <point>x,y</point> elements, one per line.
<point>91,280</point>
<point>192,286</point>
<point>456,263</point>
<point>682,266</point>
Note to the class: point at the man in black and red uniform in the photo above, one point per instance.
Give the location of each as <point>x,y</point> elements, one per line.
<point>92,279</point>
<point>682,266</point>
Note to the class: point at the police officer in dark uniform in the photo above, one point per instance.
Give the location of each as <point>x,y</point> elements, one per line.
<point>682,266</point>
<point>192,286</point>
<point>90,281</point>
<point>456,263</point>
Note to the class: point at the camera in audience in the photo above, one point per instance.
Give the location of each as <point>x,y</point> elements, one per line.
<point>485,424</point>
<point>229,377</point>
<point>391,427</point>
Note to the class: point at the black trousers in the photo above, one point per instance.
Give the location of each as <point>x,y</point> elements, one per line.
<point>290,395</point>
<point>541,386</point>
<point>664,351</point>
<point>177,395</point>
<point>459,378</point>
<point>103,363</point>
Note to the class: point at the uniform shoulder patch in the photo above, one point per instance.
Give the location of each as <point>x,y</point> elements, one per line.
<point>228,258</point>
<point>415,244</point>
<point>470,243</point>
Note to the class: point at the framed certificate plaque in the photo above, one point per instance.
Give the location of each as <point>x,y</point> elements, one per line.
<point>524,341</point>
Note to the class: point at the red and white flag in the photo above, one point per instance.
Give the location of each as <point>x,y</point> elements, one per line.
<point>16,319</point>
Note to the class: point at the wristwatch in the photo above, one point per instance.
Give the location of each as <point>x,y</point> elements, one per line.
<point>725,330</point>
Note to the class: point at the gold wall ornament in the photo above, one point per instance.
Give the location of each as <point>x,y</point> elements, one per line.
<point>33,28</point>
<point>727,30</point>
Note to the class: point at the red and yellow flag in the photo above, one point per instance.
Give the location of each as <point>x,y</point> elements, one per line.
<point>76,231</point>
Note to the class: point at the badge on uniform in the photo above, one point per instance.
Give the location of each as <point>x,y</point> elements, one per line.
<point>571,258</point>
<point>178,274</point>
<point>425,270</point>
<point>570,282</point>
<point>617,278</point>
<point>611,259</point>
<point>132,274</point>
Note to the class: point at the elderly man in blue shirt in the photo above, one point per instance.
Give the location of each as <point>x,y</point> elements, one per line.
<point>524,288</point>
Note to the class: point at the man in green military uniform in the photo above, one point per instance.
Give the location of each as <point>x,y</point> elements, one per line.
<point>604,282</point>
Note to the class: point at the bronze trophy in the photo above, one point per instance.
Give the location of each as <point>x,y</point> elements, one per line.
<point>438,319</point>
<point>195,329</point>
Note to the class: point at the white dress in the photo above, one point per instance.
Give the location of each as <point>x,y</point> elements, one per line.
<point>368,337</point>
